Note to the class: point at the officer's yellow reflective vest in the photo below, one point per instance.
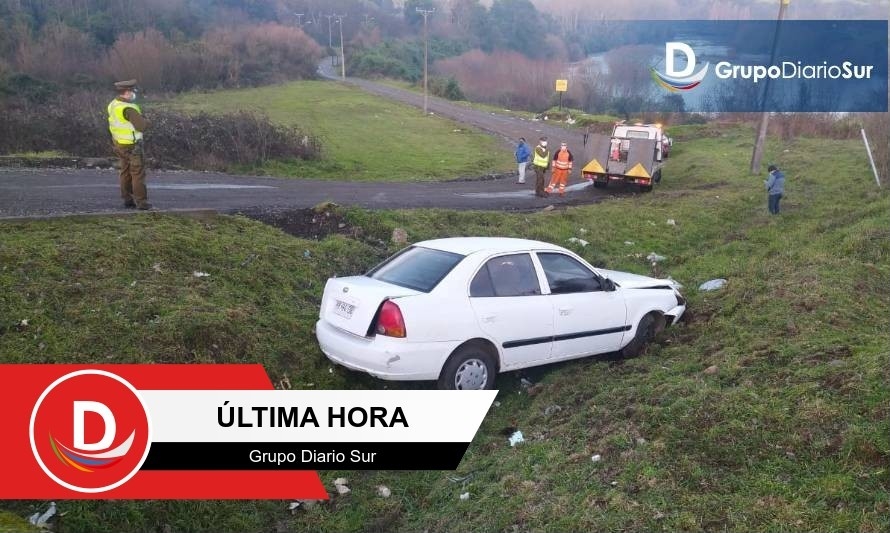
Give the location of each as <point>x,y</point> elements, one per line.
<point>541,160</point>
<point>122,130</point>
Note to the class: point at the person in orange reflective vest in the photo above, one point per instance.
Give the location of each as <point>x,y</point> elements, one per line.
<point>562,167</point>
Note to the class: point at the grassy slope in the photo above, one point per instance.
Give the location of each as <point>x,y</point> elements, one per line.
<point>791,433</point>
<point>364,137</point>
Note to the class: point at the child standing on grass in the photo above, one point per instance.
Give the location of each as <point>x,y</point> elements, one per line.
<point>775,189</point>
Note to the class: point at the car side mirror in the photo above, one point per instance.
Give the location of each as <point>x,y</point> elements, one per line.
<point>608,285</point>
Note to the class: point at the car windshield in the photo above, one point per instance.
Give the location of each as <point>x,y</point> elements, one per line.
<point>416,268</point>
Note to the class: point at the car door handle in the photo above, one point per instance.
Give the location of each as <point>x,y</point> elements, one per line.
<point>488,319</point>
<point>565,311</point>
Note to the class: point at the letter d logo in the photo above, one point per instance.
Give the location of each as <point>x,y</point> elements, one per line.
<point>670,52</point>
<point>80,408</point>
<point>678,80</point>
<point>90,431</point>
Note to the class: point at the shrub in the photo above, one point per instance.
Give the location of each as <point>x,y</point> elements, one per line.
<point>446,88</point>
<point>78,125</point>
<point>503,78</point>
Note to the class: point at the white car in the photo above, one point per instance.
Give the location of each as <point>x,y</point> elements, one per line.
<point>461,310</point>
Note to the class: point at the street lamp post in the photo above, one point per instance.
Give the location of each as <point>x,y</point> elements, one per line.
<point>330,39</point>
<point>342,51</point>
<point>426,13</point>
<point>760,140</point>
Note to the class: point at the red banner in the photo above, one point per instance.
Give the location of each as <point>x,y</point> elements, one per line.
<point>52,448</point>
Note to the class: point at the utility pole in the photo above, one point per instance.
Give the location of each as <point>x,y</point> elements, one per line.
<point>757,156</point>
<point>342,52</point>
<point>330,39</point>
<point>426,13</point>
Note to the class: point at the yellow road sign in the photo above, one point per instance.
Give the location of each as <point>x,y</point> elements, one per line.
<point>594,167</point>
<point>638,172</point>
<point>562,86</point>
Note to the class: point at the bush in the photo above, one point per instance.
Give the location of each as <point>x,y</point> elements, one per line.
<point>400,59</point>
<point>446,88</point>
<point>506,79</point>
<point>78,125</point>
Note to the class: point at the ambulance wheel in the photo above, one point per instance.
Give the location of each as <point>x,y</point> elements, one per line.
<point>657,176</point>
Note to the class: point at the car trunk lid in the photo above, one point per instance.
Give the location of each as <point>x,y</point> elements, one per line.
<point>351,303</point>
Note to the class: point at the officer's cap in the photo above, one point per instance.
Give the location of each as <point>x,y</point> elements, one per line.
<point>125,85</point>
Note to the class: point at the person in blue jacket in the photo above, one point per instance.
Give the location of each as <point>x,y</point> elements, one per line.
<point>523,155</point>
<point>775,188</point>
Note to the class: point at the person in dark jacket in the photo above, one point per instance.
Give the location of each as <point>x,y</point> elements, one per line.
<point>523,154</point>
<point>775,188</point>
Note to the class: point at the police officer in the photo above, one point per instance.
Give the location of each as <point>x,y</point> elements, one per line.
<point>126,124</point>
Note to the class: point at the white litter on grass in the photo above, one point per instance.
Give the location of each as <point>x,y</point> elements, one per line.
<point>465,496</point>
<point>199,274</point>
<point>629,243</point>
<point>655,258</point>
<point>40,520</point>
<point>596,458</point>
<point>516,438</point>
<point>340,485</point>
<point>23,322</point>
<point>383,491</point>
<point>582,242</point>
<point>582,230</point>
<point>712,285</point>
<point>671,222</point>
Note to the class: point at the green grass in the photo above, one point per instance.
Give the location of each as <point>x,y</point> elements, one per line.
<point>792,433</point>
<point>364,137</point>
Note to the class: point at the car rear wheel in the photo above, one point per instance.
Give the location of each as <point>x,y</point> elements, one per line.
<point>470,367</point>
<point>646,330</point>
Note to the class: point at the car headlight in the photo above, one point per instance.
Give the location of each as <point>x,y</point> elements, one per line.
<point>680,299</point>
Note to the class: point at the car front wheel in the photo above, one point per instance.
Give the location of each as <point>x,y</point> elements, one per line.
<point>469,368</point>
<point>645,333</point>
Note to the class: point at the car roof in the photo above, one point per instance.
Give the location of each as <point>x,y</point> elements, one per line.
<point>470,245</point>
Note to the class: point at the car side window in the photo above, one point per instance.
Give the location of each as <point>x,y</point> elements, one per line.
<point>566,275</point>
<point>506,275</point>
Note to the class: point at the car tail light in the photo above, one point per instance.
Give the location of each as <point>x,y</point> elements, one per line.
<point>390,321</point>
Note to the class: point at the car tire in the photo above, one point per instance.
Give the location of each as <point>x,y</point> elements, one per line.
<point>470,367</point>
<point>645,333</point>
<point>657,177</point>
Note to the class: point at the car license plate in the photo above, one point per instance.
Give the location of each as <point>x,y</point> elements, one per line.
<point>344,309</point>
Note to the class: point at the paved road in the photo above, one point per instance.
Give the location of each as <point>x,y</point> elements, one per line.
<point>55,192</point>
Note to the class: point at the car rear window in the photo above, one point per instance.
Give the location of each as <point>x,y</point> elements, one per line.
<point>416,268</point>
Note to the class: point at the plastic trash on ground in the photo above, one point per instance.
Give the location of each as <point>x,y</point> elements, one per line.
<point>40,520</point>
<point>516,438</point>
<point>712,285</point>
